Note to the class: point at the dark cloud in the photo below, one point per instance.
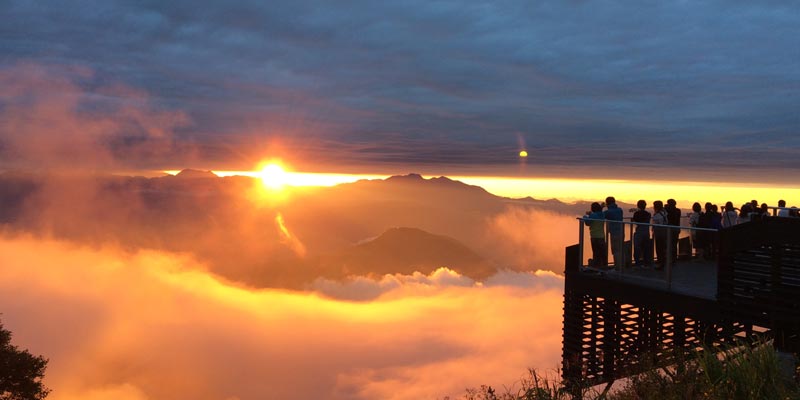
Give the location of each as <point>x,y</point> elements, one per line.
<point>466,76</point>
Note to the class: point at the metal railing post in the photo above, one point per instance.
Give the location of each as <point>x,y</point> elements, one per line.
<point>630,253</point>
<point>668,260</point>
<point>580,241</point>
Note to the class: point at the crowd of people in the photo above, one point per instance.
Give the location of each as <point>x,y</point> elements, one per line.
<point>665,239</point>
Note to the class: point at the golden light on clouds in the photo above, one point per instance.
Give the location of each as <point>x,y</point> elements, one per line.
<point>154,325</point>
<point>288,239</point>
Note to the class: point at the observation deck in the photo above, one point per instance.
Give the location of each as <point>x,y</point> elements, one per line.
<point>616,312</point>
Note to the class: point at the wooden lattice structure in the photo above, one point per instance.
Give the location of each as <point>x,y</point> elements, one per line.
<point>759,277</point>
<point>611,324</point>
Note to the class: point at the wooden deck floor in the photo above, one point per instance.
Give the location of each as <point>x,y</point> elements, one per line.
<point>695,277</point>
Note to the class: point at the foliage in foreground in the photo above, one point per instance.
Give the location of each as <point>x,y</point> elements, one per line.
<point>741,372</point>
<point>20,372</point>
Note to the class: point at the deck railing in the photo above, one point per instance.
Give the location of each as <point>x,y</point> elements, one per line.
<point>677,243</point>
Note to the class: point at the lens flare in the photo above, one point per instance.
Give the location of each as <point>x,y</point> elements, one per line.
<point>274,176</point>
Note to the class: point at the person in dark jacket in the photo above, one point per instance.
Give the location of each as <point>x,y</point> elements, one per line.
<point>641,236</point>
<point>616,230</point>
<point>674,219</point>
<point>597,235</point>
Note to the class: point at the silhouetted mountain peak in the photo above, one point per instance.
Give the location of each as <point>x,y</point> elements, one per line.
<point>441,182</point>
<point>406,250</point>
<point>405,233</point>
<point>195,173</point>
<point>412,177</point>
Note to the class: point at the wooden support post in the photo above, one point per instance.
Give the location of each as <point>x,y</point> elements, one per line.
<point>610,339</point>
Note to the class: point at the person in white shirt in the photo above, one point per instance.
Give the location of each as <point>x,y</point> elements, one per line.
<point>694,220</point>
<point>782,212</point>
<point>660,234</point>
<point>729,215</point>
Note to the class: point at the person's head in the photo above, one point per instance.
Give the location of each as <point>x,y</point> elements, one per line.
<point>596,207</point>
<point>696,207</point>
<point>754,204</point>
<point>641,204</point>
<point>671,203</point>
<point>714,208</point>
<point>658,205</point>
<point>709,207</point>
<point>764,208</point>
<point>729,206</point>
<point>610,200</point>
<point>781,203</point>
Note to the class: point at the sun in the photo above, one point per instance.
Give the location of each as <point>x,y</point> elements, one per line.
<point>273,176</point>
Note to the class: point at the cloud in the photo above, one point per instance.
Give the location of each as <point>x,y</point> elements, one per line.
<point>570,76</point>
<point>60,117</point>
<point>531,238</point>
<point>359,288</point>
<point>150,325</point>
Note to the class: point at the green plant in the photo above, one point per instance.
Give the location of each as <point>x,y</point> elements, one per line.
<point>20,372</point>
<point>741,371</point>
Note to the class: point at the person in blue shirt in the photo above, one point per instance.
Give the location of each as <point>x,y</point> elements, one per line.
<point>616,230</point>
<point>597,235</point>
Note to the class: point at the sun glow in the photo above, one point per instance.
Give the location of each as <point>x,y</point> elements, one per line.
<point>293,178</point>
<point>277,179</point>
<point>273,176</point>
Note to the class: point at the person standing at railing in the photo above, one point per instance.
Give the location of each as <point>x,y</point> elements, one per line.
<point>615,229</point>
<point>597,235</point>
<point>744,214</point>
<point>729,217</point>
<point>694,222</point>
<point>763,212</point>
<point>659,233</point>
<point>641,237</point>
<point>705,239</point>
<point>716,218</point>
<point>674,219</point>
<point>782,212</point>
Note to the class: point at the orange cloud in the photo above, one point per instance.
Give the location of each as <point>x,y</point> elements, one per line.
<point>532,238</point>
<point>58,117</point>
<point>152,325</point>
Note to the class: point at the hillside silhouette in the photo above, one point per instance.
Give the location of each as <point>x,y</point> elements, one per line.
<point>408,250</point>
<point>323,232</point>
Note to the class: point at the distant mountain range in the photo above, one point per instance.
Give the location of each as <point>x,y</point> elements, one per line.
<point>416,224</point>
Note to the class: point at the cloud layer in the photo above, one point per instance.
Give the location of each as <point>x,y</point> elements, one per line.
<point>444,83</point>
<point>151,325</point>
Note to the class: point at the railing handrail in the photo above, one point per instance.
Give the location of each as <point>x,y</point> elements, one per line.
<point>648,224</point>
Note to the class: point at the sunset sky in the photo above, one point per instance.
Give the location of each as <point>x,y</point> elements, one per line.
<point>445,88</point>
<point>231,288</point>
